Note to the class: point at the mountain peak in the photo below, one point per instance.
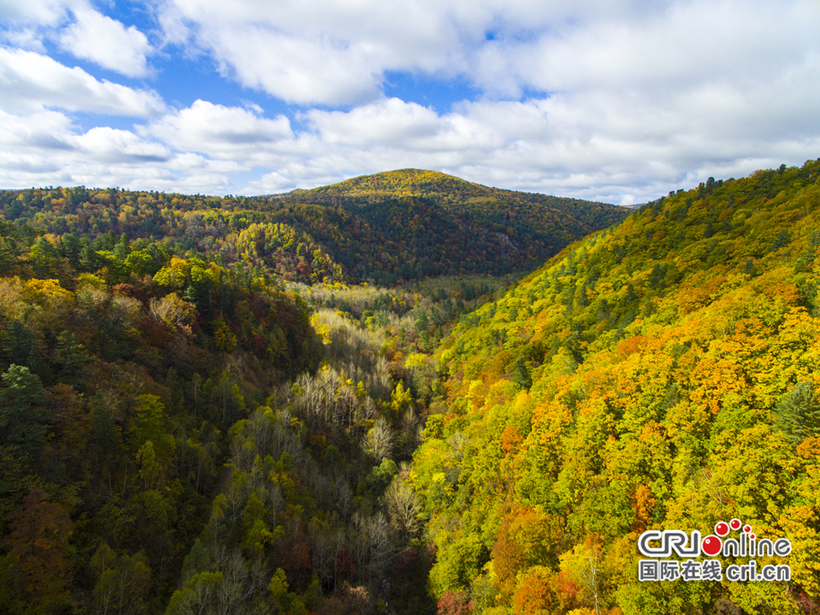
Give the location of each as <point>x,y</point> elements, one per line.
<point>397,183</point>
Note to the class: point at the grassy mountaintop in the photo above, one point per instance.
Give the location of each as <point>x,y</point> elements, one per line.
<point>660,374</point>
<point>388,228</point>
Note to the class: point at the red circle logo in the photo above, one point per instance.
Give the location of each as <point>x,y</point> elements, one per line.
<point>722,528</point>
<point>711,545</point>
<point>747,528</point>
<point>735,524</point>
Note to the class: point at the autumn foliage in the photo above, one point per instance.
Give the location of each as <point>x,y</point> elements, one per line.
<point>198,412</point>
<point>658,374</point>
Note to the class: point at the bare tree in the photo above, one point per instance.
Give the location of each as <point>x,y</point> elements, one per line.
<point>381,545</point>
<point>404,508</point>
<point>379,440</point>
<point>322,550</point>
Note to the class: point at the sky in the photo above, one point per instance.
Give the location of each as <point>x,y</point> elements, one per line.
<point>620,101</point>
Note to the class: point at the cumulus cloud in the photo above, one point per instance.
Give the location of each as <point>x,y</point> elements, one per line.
<point>544,145</point>
<point>47,148</point>
<point>77,28</point>
<point>337,52</point>
<point>110,145</point>
<point>106,42</point>
<point>386,122</point>
<point>31,80</point>
<point>623,149</point>
<point>220,131</point>
<point>619,101</point>
<point>315,52</point>
<point>613,100</point>
<point>665,51</point>
<point>36,135</point>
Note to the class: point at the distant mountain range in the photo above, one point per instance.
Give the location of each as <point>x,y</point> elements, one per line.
<point>412,223</point>
<point>386,228</point>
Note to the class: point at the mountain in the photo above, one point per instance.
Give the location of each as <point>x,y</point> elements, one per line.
<point>386,228</point>
<point>659,374</point>
<point>425,223</point>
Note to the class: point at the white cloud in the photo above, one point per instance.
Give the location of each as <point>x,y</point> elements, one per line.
<point>219,131</point>
<point>42,12</point>
<point>544,145</point>
<point>45,148</point>
<point>79,29</point>
<point>115,146</point>
<point>662,51</point>
<point>385,122</point>
<point>30,81</point>
<point>624,148</point>
<point>338,51</point>
<point>32,140</point>
<point>106,42</point>
<point>316,52</point>
<point>296,69</point>
<point>620,101</point>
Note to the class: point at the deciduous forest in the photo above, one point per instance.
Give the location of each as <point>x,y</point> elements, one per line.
<point>404,394</point>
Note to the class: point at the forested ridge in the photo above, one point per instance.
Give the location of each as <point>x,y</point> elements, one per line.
<point>116,401</point>
<point>406,230</point>
<point>659,374</point>
<point>201,413</point>
<point>456,227</point>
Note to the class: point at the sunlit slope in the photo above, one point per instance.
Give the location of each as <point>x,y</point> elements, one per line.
<point>405,182</point>
<point>411,223</point>
<point>658,374</point>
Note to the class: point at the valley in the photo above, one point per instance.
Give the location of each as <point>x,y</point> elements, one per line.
<point>404,393</point>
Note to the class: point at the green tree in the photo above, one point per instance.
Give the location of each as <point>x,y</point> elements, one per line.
<point>123,582</point>
<point>72,358</point>
<point>797,414</point>
<point>22,411</point>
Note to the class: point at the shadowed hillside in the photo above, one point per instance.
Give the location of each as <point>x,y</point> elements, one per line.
<point>428,223</point>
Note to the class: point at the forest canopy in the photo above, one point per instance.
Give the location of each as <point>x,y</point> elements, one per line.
<point>659,374</point>
<point>210,405</point>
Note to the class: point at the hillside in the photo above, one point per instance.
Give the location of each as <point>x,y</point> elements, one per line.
<point>659,374</point>
<point>407,229</point>
<point>428,223</point>
<point>118,389</point>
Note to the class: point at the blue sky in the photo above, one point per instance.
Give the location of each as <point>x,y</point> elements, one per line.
<point>618,101</point>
